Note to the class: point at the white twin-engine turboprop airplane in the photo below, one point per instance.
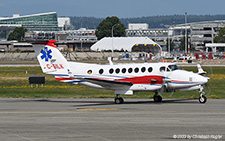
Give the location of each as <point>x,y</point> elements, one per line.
<point>124,79</point>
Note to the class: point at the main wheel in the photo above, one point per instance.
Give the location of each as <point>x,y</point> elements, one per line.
<point>202,99</point>
<point>119,100</point>
<point>157,98</point>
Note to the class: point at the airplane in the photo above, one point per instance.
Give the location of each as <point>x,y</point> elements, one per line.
<point>124,78</point>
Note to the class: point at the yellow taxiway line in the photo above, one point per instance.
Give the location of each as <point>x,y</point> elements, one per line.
<point>97,109</point>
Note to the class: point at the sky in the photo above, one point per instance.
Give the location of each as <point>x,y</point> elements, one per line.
<point>119,8</point>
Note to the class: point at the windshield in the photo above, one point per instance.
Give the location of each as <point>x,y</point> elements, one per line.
<point>174,67</point>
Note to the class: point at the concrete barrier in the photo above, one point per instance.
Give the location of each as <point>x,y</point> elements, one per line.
<point>70,56</point>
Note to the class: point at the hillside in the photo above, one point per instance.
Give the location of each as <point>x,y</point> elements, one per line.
<point>153,21</point>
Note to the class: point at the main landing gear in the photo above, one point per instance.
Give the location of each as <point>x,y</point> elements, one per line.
<point>118,99</point>
<point>157,97</point>
<point>202,98</point>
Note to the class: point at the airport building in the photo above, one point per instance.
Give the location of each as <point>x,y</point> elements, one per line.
<point>35,22</point>
<point>45,26</point>
<point>199,33</point>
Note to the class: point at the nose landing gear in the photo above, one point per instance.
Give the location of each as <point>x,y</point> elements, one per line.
<point>202,98</point>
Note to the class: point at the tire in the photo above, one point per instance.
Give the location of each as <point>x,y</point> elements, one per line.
<point>202,99</point>
<point>157,98</point>
<point>119,100</point>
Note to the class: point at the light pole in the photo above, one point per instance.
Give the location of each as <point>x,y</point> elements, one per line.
<point>112,39</point>
<point>185,32</point>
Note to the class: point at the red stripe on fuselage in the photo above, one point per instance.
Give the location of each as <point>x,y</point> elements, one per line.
<point>63,79</point>
<point>143,80</point>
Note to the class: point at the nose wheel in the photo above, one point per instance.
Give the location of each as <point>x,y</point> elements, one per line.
<point>202,99</point>
<point>118,99</point>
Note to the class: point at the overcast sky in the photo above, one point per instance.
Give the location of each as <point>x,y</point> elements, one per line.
<point>119,8</point>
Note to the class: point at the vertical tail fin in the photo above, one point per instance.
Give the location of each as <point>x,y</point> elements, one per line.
<point>50,58</point>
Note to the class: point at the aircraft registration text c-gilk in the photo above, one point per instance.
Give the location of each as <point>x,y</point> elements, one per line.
<point>55,66</point>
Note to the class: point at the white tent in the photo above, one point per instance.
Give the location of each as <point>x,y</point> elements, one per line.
<point>125,43</point>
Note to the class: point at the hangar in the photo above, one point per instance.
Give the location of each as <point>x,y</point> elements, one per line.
<point>131,44</point>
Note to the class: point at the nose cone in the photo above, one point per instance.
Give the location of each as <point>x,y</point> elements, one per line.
<point>203,79</point>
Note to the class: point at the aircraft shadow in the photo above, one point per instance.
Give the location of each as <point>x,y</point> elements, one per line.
<point>108,101</point>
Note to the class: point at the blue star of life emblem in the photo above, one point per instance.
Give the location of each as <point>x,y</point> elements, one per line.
<point>46,54</point>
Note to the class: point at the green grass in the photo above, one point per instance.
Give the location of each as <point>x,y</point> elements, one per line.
<point>14,83</point>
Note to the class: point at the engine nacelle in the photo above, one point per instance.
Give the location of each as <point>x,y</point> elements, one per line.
<point>190,88</point>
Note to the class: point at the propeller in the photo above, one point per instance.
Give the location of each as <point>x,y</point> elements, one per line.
<point>206,89</point>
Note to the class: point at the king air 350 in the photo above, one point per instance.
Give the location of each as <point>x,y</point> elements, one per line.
<point>123,79</point>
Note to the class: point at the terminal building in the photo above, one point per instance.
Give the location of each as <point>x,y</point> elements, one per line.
<point>199,33</point>
<point>35,22</point>
<point>45,26</point>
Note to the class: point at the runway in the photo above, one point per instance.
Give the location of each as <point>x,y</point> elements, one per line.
<point>24,119</point>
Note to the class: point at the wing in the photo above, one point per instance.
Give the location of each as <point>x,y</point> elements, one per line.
<point>107,83</point>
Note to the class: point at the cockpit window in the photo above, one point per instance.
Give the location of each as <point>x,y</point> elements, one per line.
<point>173,67</point>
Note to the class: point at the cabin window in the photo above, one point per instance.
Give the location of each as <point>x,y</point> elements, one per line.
<point>150,69</point>
<point>130,70</point>
<point>101,71</point>
<point>124,70</point>
<point>136,70</point>
<point>117,70</point>
<point>143,69</point>
<point>111,71</point>
<point>162,69</point>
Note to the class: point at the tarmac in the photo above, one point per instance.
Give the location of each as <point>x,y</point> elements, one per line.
<point>25,119</point>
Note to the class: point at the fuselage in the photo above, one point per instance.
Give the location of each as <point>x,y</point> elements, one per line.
<point>143,76</point>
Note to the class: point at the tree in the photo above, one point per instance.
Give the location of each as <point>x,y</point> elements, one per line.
<point>104,29</point>
<point>221,36</point>
<point>17,34</point>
